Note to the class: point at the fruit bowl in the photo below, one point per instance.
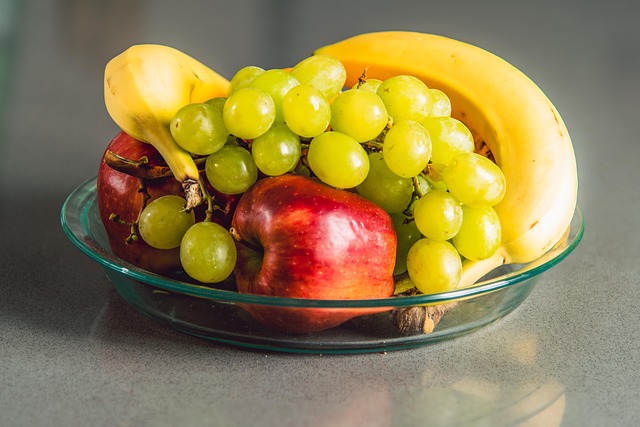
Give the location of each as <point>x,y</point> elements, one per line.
<point>218,313</point>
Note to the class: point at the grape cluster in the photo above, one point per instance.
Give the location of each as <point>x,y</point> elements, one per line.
<point>394,142</point>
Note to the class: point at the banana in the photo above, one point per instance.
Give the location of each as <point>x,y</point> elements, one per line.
<point>145,86</point>
<point>508,111</point>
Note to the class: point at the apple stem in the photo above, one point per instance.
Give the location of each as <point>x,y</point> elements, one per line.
<point>236,236</point>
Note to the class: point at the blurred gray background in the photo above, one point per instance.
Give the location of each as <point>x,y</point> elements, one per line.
<point>72,352</point>
<point>584,55</point>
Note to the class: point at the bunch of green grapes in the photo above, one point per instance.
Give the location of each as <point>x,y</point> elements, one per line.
<point>392,141</point>
<point>207,250</point>
<point>454,213</point>
<point>261,127</point>
<point>425,174</point>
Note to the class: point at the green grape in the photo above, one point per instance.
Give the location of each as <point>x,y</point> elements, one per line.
<point>434,176</point>
<point>164,221</point>
<point>358,113</point>
<point>406,98</point>
<point>243,77</point>
<point>481,233</point>
<point>232,140</point>
<point>231,170</point>
<point>440,103</point>
<point>370,85</point>
<point>434,266</point>
<point>306,111</point>
<point>475,180</point>
<point>407,148</point>
<point>217,103</point>
<point>199,129</point>
<point>449,137</point>
<point>338,160</point>
<point>208,252</point>
<point>383,187</point>
<point>408,234</point>
<point>248,113</point>
<point>325,73</point>
<point>277,151</point>
<point>302,169</point>
<point>438,215</point>
<point>276,83</point>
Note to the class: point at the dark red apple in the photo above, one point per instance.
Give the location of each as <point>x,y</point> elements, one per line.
<point>300,238</point>
<point>121,197</point>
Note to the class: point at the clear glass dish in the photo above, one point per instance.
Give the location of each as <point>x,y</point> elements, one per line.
<point>218,314</point>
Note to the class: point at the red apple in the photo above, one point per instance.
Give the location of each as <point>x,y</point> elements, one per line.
<point>121,198</point>
<point>300,238</point>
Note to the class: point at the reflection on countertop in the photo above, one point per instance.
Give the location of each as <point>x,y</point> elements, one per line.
<point>377,390</point>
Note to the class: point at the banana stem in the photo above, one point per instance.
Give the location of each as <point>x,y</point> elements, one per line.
<point>179,161</point>
<point>192,193</point>
<point>420,319</point>
<point>424,319</point>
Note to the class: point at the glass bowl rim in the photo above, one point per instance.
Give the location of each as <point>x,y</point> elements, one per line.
<point>74,217</point>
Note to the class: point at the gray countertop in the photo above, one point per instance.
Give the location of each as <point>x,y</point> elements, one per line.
<point>72,352</point>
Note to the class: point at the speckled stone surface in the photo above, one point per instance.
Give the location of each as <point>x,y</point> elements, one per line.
<point>72,352</point>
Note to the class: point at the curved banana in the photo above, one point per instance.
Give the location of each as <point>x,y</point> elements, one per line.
<point>145,86</point>
<point>499,103</point>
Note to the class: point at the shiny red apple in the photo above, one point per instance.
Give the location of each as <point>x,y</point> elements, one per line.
<point>300,238</point>
<point>121,196</point>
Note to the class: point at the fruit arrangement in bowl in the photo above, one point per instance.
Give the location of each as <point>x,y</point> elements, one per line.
<point>390,190</point>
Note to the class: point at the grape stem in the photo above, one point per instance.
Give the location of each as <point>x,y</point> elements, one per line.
<point>133,233</point>
<point>363,77</point>
<point>372,145</point>
<point>416,186</point>
<point>140,168</point>
<point>115,217</point>
<point>195,191</point>
<point>209,198</point>
<point>211,202</point>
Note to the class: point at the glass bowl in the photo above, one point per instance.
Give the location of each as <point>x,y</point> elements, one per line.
<point>218,314</point>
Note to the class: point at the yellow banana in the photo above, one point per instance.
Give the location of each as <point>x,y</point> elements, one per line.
<point>145,86</point>
<point>499,103</point>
